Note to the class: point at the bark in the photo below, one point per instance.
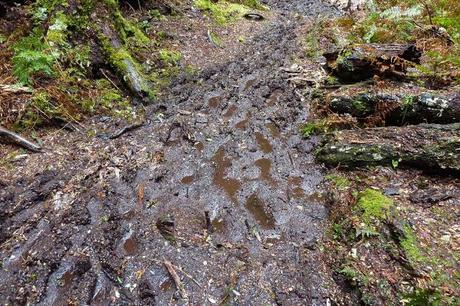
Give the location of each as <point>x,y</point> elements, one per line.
<point>362,62</point>
<point>425,146</point>
<point>399,109</point>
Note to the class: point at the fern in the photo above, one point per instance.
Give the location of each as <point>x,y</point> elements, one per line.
<point>30,58</point>
<point>396,12</point>
<point>29,62</point>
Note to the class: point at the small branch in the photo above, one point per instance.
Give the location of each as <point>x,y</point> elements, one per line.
<point>126,129</point>
<point>19,140</point>
<point>180,286</point>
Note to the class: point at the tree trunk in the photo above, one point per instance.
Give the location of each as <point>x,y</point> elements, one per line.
<point>362,62</point>
<point>399,109</point>
<point>425,146</point>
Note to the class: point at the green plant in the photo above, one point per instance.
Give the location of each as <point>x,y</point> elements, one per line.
<point>315,128</point>
<point>31,58</point>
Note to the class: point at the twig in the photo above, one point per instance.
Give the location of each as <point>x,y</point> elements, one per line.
<point>126,129</point>
<point>19,140</point>
<point>110,80</point>
<point>177,281</point>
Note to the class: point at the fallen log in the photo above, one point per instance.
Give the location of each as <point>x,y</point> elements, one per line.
<point>19,140</point>
<point>398,109</point>
<point>361,62</point>
<point>425,146</point>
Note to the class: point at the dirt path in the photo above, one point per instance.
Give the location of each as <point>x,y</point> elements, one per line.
<point>219,183</point>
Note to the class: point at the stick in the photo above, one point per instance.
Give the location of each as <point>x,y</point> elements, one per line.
<point>126,129</point>
<point>19,140</point>
<point>177,281</point>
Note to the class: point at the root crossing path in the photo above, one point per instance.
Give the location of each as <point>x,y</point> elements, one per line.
<point>213,201</point>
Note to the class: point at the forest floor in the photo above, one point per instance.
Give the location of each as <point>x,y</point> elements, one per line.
<point>217,187</point>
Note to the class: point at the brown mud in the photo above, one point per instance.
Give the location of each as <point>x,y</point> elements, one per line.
<point>219,183</point>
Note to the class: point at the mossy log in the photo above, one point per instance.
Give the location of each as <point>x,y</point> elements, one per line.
<point>101,26</point>
<point>425,146</point>
<point>113,32</point>
<point>361,62</point>
<point>398,109</point>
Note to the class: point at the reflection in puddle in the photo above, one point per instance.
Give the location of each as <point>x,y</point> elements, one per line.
<point>257,208</point>
<point>294,188</point>
<point>273,129</point>
<point>263,143</point>
<point>265,166</point>
<point>187,180</point>
<point>230,111</point>
<point>229,185</point>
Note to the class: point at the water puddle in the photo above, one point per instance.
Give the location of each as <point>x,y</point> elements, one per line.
<point>229,185</point>
<point>247,82</point>
<point>166,285</point>
<point>243,124</point>
<point>265,166</point>
<point>294,189</point>
<point>274,131</point>
<point>213,100</point>
<point>218,225</point>
<point>130,246</point>
<point>263,143</point>
<point>274,97</point>
<point>187,180</point>
<point>230,111</point>
<point>199,146</point>
<point>257,208</point>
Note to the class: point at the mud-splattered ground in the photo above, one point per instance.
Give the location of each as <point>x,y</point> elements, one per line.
<point>218,182</point>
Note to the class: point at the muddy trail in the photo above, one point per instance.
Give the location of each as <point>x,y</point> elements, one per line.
<point>219,184</point>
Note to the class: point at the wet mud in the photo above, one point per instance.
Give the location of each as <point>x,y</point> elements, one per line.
<point>219,184</point>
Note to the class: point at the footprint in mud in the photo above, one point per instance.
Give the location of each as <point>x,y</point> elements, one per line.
<point>230,185</point>
<point>260,213</point>
<point>263,143</point>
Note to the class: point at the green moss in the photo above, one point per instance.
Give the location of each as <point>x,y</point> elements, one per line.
<point>222,12</point>
<point>374,205</point>
<point>315,128</point>
<point>170,57</point>
<point>339,181</point>
<point>410,247</point>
